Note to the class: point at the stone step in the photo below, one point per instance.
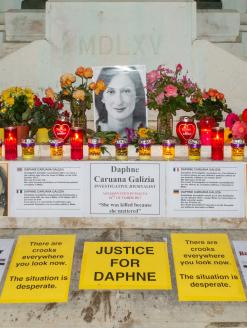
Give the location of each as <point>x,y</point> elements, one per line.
<point>218,25</point>
<point>243,18</point>
<point>243,28</point>
<point>235,48</point>
<point>8,47</point>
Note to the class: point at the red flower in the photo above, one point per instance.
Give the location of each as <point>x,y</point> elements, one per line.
<point>37,101</point>
<point>59,105</point>
<point>244,115</point>
<point>48,101</point>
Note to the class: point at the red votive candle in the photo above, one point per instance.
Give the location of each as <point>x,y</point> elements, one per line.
<point>217,143</point>
<point>205,127</point>
<point>10,142</point>
<point>76,143</point>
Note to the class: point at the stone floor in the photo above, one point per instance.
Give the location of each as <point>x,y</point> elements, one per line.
<point>122,309</point>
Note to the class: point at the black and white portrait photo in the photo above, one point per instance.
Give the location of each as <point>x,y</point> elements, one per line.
<point>123,103</point>
<point>3,190</point>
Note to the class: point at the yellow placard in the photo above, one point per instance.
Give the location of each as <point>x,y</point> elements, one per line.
<point>40,269</point>
<point>205,268</point>
<point>125,265</point>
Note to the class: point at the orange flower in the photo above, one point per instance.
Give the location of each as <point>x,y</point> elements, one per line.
<point>80,71</point>
<point>92,86</point>
<point>220,96</point>
<point>79,95</point>
<point>65,92</point>
<point>67,79</point>
<point>50,93</point>
<point>88,73</point>
<point>212,93</point>
<point>101,85</point>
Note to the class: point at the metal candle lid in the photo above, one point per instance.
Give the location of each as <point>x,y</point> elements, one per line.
<point>97,142</point>
<point>56,142</point>
<point>145,142</point>
<point>27,142</point>
<point>186,119</point>
<point>168,143</point>
<point>121,143</point>
<point>238,143</point>
<point>194,143</point>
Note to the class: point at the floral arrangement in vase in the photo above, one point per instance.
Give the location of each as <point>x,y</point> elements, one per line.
<point>210,103</point>
<point>236,126</point>
<point>16,105</point>
<point>167,92</point>
<point>80,96</point>
<point>45,113</point>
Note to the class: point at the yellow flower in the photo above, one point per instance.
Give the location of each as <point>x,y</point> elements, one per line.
<point>227,136</point>
<point>10,101</point>
<point>143,133</point>
<point>101,85</point>
<point>79,95</point>
<point>3,110</point>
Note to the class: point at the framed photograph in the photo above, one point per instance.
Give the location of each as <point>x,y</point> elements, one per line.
<point>123,104</point>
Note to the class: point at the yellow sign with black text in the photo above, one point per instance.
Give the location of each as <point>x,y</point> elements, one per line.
<point>40,269</point>
<point>125,265</point>
<point>205,268</point>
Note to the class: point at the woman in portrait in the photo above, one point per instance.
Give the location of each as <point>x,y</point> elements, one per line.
<point>122,104</point>
<point>3,192</point>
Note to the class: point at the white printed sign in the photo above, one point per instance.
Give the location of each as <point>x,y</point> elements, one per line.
<point>5,250</point>
<point>129,189</point>
<point>241,251</point>
<point>46,189</point>
<point>214,189</point>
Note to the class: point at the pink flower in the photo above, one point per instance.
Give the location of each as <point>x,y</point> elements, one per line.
<point>205,95</point>
<point>239,129</point>
<point>171,91</point>
<point>159,99</point>
<point>231,119</point>
<point>152,76</point>
<point>179,68</point>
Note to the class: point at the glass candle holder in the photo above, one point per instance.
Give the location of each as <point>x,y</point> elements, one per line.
<point>1,148</point>
<point>205,127</point>
<point>144,149</point>
<point>10,142</point>
<point>94,148</point>
<point>56,149</point>
<point>185,129</point>
<point>168,149</point>
<point>121,146</point>
<point>194,150</point>
<point>27,146</point>
<point>217,144</point>
<point>237,149</point>
<point>76,143</point>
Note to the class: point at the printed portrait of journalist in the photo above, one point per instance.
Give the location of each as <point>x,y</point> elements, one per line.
<point>122,104</point>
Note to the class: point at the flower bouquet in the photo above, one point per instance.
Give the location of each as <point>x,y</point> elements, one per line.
<point>168,92</point>
<point>79,96</point>
<point>236,126</point>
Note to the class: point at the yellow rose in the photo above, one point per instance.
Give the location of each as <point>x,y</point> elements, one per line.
<point>88,73</point>
<point>143,133</point>
<point>79,95</point>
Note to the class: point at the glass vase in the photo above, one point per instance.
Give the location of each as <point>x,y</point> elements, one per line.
<point>78,114</point>
<point>165,124</point>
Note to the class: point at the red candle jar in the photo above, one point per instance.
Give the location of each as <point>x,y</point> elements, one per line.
<point>76,143</point>
<point>186,129</point>
<point>217,144</point>
<point>10,142</point>
<point>61,129</point>
<point>205,127</point>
